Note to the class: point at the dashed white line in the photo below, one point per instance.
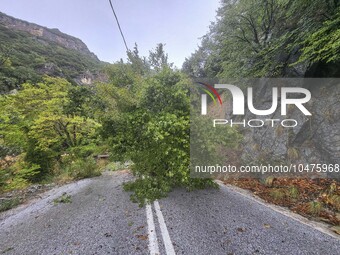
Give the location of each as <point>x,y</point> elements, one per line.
<point>169,248</point>
<point>153,242</point>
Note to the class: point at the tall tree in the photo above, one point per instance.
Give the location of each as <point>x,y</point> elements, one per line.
<point>158,58</point>
<point>36,120</point>
<point>254,38</point>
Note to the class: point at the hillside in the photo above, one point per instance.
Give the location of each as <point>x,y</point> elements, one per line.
<point>28,51</point>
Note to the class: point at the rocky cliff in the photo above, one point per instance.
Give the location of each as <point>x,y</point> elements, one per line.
<point>29,51</point>
<point>316,138</point>
<point>46,34</point>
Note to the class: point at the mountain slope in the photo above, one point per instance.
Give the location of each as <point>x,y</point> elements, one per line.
<point>29,51</point>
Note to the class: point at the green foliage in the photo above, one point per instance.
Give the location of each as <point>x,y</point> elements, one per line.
<point>208,145</point>
<point>44,121</point>
<point>4,176</point>
<point>7,204</point>
<point>266,38</point>
<point>121,74</point>
<point>139,65</point>
<point>116,166</point>
<point>324,44</point>
<point>205,61</point>
<point>23,58</point>
<point>63,199</point>
<point>83,101</point>
<point>153,132</point>
<point>277,194</point>
<point>314,208</point>
<point>19,175</point>
<point>84,168</point>
<point>147,121</point>
<point>293,192</point>
<point>148,189</point>
<point>158,58</point>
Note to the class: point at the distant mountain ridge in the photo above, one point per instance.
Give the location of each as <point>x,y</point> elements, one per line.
<point>44,33</point>
<point>29,51</point>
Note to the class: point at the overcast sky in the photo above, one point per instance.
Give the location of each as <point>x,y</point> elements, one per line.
<point>177,23</point>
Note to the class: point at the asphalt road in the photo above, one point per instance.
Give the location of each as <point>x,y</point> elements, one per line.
<point>102,220</point>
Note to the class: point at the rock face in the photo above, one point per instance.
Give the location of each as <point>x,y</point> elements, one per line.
<point>43,33</point>
<point>34,51</point>
<point>316,139</point>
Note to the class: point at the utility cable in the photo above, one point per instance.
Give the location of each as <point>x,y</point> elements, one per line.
<point>120,29</point>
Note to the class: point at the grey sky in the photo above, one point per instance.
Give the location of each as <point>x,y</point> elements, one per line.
<point>177,23</point>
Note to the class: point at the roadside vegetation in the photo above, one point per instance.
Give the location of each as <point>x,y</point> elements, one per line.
<point>45,134</point>
<point>270,38</point>
<point>6,204</point>
<point>318,199</point>
<point>51,129</point>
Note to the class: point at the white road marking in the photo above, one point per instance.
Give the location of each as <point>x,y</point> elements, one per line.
<point>153,242</point>
<point>169,248</point>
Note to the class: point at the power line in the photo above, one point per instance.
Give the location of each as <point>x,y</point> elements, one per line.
<point>120,29</point>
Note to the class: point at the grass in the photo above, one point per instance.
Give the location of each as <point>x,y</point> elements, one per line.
<point>277,194</point>
<point>110,167</point>
<point>61,174</point>
<point>293,192</point>
<point>116,166</point>
<point>76,169</point>
<point>84,168</point>
<point>318,199</point>
<point>334,200</point>
<point>314,208</point>
<point>63,199</point>
<point>9,204</point>
<point>269,181</point>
